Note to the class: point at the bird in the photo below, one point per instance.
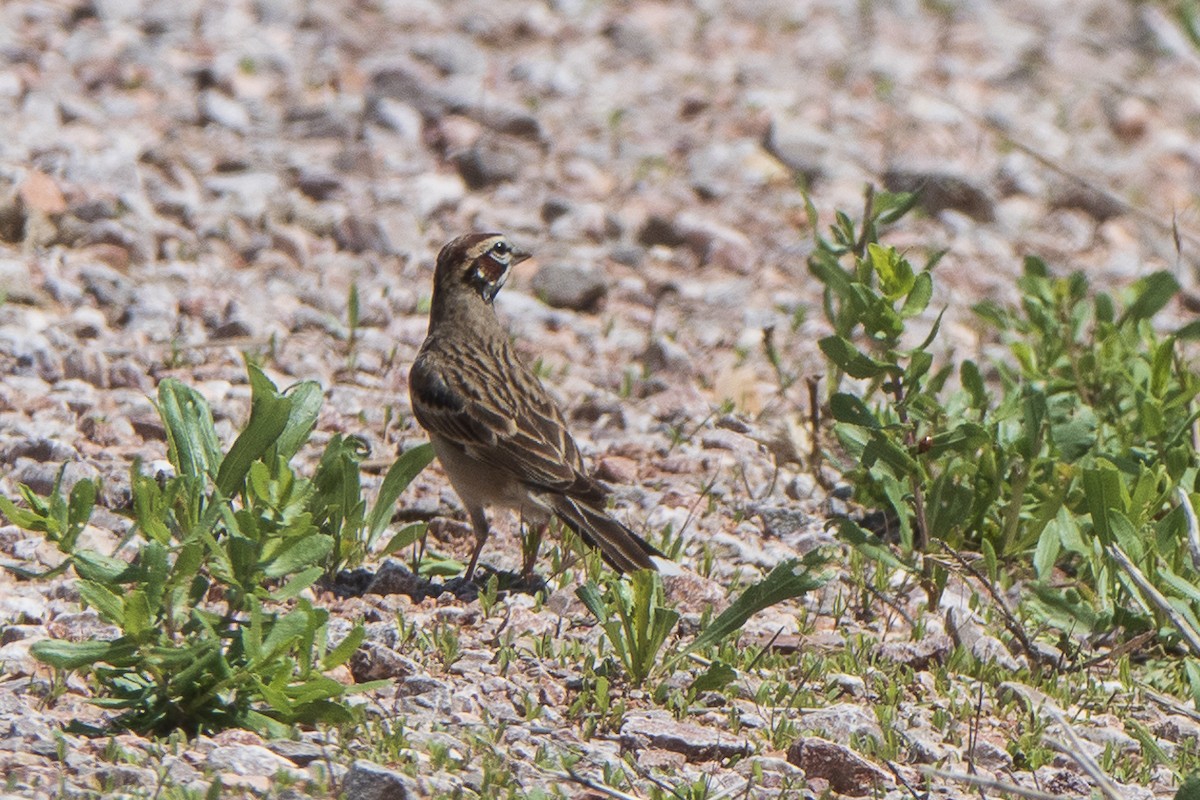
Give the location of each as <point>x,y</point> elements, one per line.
<point>500,437</point>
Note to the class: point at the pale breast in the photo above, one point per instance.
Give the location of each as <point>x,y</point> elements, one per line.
<point>478,484</point>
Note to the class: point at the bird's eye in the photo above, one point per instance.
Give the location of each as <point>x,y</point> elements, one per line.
<point>501,248</point>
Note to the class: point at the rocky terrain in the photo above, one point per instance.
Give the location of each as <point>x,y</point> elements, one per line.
<point>184,182</point>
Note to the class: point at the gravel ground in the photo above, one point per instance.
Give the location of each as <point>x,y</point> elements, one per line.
<point>181,182</point>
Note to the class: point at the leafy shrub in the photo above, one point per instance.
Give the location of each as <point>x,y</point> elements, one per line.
<point>213,633</point>
<point>1073,458</point>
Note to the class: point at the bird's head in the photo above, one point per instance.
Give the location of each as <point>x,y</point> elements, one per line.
<point>476,262</point>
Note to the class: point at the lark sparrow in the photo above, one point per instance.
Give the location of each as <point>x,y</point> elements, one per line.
<point>498,434</point>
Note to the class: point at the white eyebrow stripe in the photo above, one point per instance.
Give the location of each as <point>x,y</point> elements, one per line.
<point>484,246</point>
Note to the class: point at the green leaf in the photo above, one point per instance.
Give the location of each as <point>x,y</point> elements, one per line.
<point>306,398</point>
<point>192,444</point>
<point>284,634</point>
<point>345,648</point>
<point>972,381</point>
<point>100,568</point>
<point>895,273</point>
<point>398,477</point>
<point>918,365</point>
<point>108,604</point>
<point>297,584</point>
<point>73,655</point>
<point>269,412</point>
<point>846,357</point>
<point>851,410</point>
<point>1045,555</point>
<point>966,437</point>
<point>79,511</point>
<point>593,601</point>
<point>716,677</point>
<point>792,578</point>
<point>1153,293</point>
<point>405,537</point>
<point>137,620</point>
<point>1103,491</point>
<point>918,297</point>
<point>882,449</point>
<point>1073,427</point>
<point>297,554</point>
<point>1190,788</point>
<point>22,518</point>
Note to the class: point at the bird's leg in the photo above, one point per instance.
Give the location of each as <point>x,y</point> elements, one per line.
<point>480,524</point>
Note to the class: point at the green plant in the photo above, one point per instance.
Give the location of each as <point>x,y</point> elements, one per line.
<point>1077,457</point>
<point>213,631</point>
<point>635,620</point>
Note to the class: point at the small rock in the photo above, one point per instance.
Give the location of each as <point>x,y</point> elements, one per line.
<point>12,219</point>
<point>572,286</point>
<point>118,776</point>
<point>990,650</point>
<point>39,193</point>
<point>617,469</point>
<point>781,520</point>
<point>367,781</point>
<point>420,684</point>
<point>846,771</point>
<point>373,661</point>
<point>720,168</point>
<point>40,449</point>
<point>1128,118</point>
<point>553,208</point>
<point>250,193</point>
<point>1177,728</point>
<point>82,626</point>
<point>328,121</point>
<point>16,659</point>
<point>247,759</point>
<point>842,721</point>
<point>920,654</point>
<point>804,151</point>
<point>659,729</point>
<point>110,288</point>
<point>661,760</point>
<point>802,487</point>
<point>217,108</point>
<point>1063,782</point>
<point>665,355</point>
<point>660,230</point>
<point>88,365</point>
<point>395,578</point>
<point>318,185</point>
<point>398,117</point>
<point>852,685</point>
<point>359,234</point>
<point>127,374</point>
<point>16,283</point>
<point>992,755</point>
<point>435,191</point>
<point>1095,202</point>
<point>940,191</point>
<point>487,164</point>
<point>692,592</point>
<point>717,244</point>
<point>299,753</point>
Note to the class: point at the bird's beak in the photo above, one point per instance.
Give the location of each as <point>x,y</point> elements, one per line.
<point>520,255</point>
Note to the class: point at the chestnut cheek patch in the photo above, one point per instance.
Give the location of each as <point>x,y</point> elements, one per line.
<point>489,268</point>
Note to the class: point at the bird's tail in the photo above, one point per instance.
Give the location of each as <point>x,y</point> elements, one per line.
<point>623,549</point>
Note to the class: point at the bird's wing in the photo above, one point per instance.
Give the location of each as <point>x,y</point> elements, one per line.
<point>500,414</point>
